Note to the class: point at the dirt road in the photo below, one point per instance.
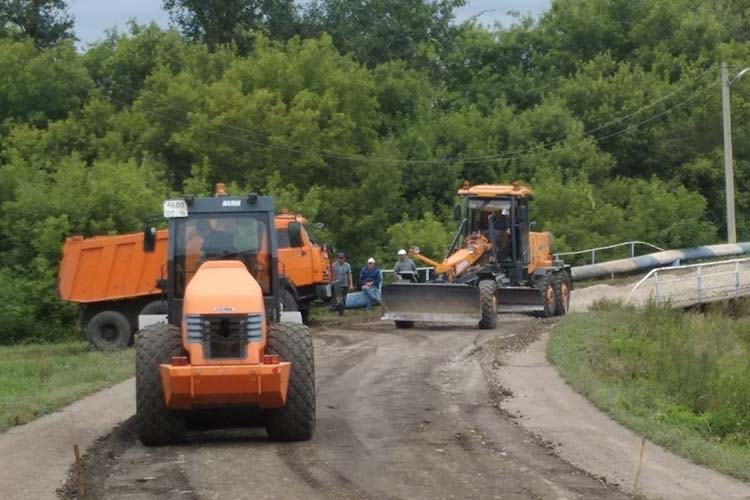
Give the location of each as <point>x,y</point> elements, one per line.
<point>401,414</point>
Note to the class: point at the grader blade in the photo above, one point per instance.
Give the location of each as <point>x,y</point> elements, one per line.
<point>431,302</point>
<point>520,299</point>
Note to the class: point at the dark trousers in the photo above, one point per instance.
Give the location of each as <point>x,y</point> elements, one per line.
<point>339,294</point>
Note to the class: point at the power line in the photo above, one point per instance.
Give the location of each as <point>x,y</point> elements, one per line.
<point>512,155</point>
<point>659,115</point>
<point>521,153</point>
<point>654,103</point>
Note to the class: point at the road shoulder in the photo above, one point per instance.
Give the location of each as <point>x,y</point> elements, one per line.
<point>36,457</point>
<point>549,408</point>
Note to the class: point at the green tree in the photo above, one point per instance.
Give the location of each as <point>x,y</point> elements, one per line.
<point>38,85</point>
<point>377,31</point>
<point>225,22</point>
<point>44,21</point>
<point>429,234</point>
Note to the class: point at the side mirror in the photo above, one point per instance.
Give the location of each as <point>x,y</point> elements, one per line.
<point>149,239</point>
<point>295,234</point>
<point>457,213</point>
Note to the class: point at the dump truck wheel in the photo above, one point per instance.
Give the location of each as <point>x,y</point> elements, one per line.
<point>562,295</point>
<point>295,421</point>
<point>404,324</point>
<point>549,296</point>
<point>305,313</point>
<point>155,307</point>
<point>109,331</point>
<point>488,304</point>
<point>288,301</point>
<point>157,425</point>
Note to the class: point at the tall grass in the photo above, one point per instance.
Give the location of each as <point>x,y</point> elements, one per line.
<point>682,379</point>
<point>38,379</point>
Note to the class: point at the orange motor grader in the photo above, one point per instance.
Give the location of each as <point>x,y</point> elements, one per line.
<point>494,263</point>
<point>227,343</point>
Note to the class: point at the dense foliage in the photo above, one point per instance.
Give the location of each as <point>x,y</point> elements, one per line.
<point>44,21</point>
<point>367,121</point>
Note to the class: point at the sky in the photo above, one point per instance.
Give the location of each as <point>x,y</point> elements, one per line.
<point>93,17</point>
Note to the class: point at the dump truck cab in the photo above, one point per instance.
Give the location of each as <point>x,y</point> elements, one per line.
<point>227,343</point>
<point>304,264</point>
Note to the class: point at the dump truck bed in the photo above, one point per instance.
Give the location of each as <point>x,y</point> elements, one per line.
<point>107,268</point>
<point>111,268</point>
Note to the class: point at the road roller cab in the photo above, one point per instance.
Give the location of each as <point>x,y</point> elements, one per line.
<point>225,342</point>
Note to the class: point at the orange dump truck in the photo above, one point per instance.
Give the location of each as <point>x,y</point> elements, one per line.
<point>114,280</point>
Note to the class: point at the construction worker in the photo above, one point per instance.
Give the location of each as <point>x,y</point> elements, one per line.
<point>404,263</point>
<point>218,237</point>
<point>342,282</point>
<point>369,280</point>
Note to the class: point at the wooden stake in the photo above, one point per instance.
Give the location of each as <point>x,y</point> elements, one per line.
<point>79,473</point>
<point>638,469</point>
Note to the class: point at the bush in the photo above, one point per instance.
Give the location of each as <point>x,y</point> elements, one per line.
<point>30,310</point>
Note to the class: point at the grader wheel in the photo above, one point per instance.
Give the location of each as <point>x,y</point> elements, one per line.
<point>488,304</point>
<point>562,294</point>
<point>549,296</point>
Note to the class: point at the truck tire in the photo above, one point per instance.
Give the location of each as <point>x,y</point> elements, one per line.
<point>401,324</point>
<point>305,313</point>
<point>157,424</point>
<point>549,296</point>
<point>109,331</point>
<point>295,421</point>
<point>288,301</point>
<point>562,294</point>
<point>488,304</point>
<point>155,307</point>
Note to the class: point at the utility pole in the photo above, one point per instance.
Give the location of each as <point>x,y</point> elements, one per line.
<point>728,167</point>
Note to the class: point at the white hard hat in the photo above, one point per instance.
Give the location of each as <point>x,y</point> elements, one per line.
<point>402,252</point>
<point>371,260</point>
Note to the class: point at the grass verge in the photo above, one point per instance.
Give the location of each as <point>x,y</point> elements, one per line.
<point>680,379</point>
<point>41,378</point>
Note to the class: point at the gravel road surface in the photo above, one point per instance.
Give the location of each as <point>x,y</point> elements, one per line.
<point>401,414</point>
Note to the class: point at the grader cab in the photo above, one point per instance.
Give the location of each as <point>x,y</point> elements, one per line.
<point>226,343</point>
<point>494,263</point>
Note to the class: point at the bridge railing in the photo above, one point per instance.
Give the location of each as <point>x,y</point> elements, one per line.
<point>693,284</point>
<point>592,252</point>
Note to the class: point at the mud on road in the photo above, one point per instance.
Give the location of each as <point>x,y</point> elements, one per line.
<point>401,414</point>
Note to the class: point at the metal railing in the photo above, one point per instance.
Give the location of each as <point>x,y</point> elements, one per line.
<point>696,283</point>
<point>593,251</point>
<point>426,270</point>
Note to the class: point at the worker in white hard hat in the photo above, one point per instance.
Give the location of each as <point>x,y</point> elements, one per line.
<point>404,263</point>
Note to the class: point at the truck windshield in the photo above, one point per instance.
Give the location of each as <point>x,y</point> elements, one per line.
<point>310,234</point>
<point>240,237</point>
